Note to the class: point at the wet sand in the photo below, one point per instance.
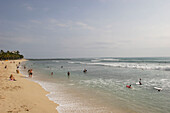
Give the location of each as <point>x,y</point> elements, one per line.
<point>22,95</point>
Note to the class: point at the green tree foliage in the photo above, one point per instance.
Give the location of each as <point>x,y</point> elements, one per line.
<point>10,55</point>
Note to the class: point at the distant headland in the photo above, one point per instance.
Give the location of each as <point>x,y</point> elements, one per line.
<point>10,55</point>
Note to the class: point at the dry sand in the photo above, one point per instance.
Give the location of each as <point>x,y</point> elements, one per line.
<point>22,96</point>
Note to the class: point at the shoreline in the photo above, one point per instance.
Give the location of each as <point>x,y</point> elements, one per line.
<point>71,99</point>
<point>22,95</point>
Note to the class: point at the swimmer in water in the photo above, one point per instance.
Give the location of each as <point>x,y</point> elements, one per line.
<point>85,70</point>
<point>129,86</point>
<point>68,73</point>
<point>140,83</point>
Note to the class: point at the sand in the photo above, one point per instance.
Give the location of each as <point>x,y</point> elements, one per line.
<point>22,96</point>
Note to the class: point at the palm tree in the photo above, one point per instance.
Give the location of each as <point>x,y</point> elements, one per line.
<point>2,52</point>
<point>18,52</point>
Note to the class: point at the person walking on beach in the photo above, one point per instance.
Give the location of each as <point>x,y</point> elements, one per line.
<point>68,73</point>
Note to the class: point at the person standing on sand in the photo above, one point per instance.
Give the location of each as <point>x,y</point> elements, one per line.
<point>68,73</point>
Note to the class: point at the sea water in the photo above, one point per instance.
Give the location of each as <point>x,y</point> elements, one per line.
<point>102,89</point>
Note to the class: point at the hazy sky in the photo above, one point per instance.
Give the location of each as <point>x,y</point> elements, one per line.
<point>85,28</point>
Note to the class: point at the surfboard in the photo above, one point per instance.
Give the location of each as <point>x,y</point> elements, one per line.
<point>157,88</point>
<point>137,83</point>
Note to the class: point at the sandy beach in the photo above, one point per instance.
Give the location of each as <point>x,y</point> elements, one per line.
<point>22,95</point>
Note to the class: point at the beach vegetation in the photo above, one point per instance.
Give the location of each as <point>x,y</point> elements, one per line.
<point>10,55</point>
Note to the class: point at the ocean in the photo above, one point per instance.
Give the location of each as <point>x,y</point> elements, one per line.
<point>102,89</point>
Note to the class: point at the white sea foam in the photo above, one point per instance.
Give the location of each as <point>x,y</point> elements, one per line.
<point>165,67</point>
<point>72,62</point>
<point>68,102</point>
<point>144,66</point>
<point>55,61</point>
<point>98,60</point>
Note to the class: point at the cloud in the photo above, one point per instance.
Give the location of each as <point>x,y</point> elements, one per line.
<point>85,26</point>
<point>29,8</point>
<point>11,37</point>
<point>36,21</point>
<point>55,22</point>
<point>62,25</point>
<point>69,24</point>
<point>103,1</point>
<point>46,9</point>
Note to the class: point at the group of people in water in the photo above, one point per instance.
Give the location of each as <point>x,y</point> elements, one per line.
<point>140,83</point>
<point>68,73</point>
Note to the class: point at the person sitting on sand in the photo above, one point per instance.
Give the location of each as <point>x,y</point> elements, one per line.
<point>12,77</point>
<point>5,66</point>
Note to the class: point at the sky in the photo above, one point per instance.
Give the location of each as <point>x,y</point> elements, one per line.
<point>85,28</point>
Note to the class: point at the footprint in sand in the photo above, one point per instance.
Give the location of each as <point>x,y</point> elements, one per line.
<point>5,88</point>
<point>16,87</point>
<point>12,111</point>
<point>11,88</point>
<point>2,97</point>
<point>25,107</point>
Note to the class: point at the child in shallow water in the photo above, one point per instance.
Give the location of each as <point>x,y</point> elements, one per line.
<point>12,78</point>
